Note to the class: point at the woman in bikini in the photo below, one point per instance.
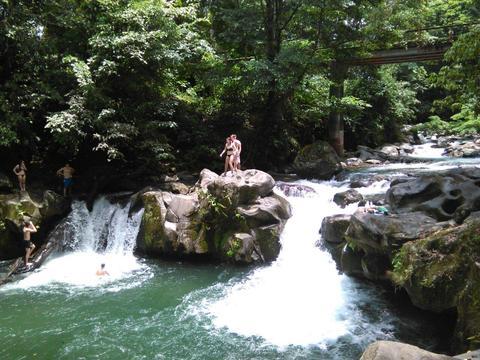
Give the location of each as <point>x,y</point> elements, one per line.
<point>21,171</point>
<point>230,150</point>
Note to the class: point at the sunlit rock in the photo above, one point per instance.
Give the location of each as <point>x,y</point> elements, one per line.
<point>234,217</point>
<point>318,160</point>
<point>344,198</point>
<point>390,350</point>
<point>441,196</point>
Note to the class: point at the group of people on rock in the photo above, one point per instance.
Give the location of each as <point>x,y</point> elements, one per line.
<point>232,149</point>
<point>66,171</point>
<point>20,170</point>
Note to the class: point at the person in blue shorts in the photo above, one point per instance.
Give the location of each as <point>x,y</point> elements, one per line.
<point>67,172</point>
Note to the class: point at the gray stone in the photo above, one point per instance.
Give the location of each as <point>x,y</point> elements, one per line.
<point>297,190</point>
<point>318,160</point>
<point>229,218</point>
<point>347,197</point>
<point>334,228</point>
<point>390,150</point>
<point>390,350</point>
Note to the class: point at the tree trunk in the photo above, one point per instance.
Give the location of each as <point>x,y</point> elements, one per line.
<point>335,121</point>
<point>272,125</point>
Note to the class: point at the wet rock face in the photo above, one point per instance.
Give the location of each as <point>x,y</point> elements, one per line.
<point>14,208</point>
<point>347,197</point>
<point>443,197</point>
<point>318,160</point>
<point>235,218</point>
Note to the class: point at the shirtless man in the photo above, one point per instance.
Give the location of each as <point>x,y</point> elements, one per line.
<point>28,228</point>
<point>238,149</point>
<point>67,173</point>
<point>102,271</point>
<point>21,171</point>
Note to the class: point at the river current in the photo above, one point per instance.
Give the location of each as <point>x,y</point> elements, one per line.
<point>298,307</point>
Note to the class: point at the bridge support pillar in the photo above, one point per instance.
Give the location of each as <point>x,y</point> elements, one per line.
<point>335,121</point>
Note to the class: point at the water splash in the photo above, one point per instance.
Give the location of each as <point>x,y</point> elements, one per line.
<point>106,235</point>
<point>299,298</point>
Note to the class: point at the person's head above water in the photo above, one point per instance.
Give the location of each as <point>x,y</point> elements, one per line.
<point>233,136</point>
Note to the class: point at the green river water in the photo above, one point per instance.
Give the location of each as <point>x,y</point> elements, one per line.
<point>298,307</point>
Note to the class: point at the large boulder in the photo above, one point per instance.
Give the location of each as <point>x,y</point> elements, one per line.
<point>296,190</point>
<point>334,228</point>
<point>345,198</point>
<point>442,272</point>
<point>384,234</point>
<point>14,208</point>
<point>234,218</point>
<point>241,187</point>
<point>390,350</point>
<point>390,150</point>
<point>375,239</point>
<point>452,195</point>
<point>318,160</point>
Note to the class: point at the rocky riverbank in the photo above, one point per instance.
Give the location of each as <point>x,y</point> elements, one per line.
<point>429,245</point>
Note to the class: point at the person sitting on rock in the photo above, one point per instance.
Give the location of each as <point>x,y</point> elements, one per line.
<point>102,271</point>
<point>29,246</point>
<point>21,171</point>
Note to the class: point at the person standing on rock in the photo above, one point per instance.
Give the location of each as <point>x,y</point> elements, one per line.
<point>21,171</point>
<point>229,159</point>
<point>67,173</point>
<point>238,149</point>
<point>29,246</point>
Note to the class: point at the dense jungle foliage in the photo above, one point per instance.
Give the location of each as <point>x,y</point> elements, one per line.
<point>152,85</point>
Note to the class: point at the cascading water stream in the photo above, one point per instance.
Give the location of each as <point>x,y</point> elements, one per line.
<point>299,306</point>
<point>107,235</point>
<point>299,299</point>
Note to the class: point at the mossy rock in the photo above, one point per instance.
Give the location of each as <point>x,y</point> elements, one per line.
<point>441,272</point>
<point>152,230</point>
<point>318,160</point>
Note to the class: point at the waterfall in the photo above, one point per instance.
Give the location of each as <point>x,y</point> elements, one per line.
<point>299,299</point>
<point>106,235</point>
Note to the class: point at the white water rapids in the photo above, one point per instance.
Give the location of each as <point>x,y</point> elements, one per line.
<point>299,299</point>
<point>106,224</point>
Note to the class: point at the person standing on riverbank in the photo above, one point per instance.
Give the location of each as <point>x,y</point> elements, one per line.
<point>21,171</point>
<point>238,149</point>
<point>67,172</point>
<point>29,246</point>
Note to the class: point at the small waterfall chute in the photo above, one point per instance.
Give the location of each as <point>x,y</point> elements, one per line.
<point>107,235</point>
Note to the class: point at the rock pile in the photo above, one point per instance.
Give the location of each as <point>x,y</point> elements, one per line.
<point>236,218</point>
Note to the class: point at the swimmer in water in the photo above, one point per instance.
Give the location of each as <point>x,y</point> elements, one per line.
<point>102,271</point>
